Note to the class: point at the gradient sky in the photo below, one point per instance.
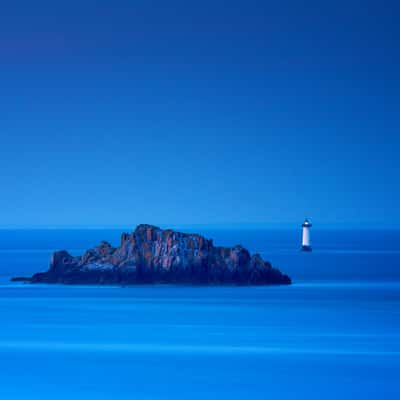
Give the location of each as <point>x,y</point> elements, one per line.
<point>199,112</point>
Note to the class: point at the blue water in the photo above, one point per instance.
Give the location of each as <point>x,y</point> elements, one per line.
<point>335,333</point>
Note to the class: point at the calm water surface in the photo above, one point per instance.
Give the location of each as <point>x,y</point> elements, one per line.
<point>334,334</point>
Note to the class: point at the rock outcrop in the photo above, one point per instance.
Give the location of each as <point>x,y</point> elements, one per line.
<point>153,255</point>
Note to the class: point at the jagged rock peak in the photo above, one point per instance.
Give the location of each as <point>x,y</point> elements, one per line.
<point>151,254</point>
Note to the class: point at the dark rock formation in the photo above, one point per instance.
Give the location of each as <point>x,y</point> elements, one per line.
<point>152,255</point>
<point>20,279</point>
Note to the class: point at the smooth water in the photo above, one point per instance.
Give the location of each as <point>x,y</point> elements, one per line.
<point>335,333</point>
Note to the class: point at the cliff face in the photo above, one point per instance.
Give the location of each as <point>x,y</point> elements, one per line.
<point>152,255</point>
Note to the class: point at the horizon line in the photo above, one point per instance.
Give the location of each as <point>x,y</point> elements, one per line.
<point>232,225</point>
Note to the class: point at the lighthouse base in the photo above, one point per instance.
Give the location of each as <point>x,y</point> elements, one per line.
<point>306,248</point>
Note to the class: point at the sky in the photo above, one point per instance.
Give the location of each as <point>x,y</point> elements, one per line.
<point>114,113</point>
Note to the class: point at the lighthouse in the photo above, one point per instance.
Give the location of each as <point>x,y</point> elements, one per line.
<point>305,242</point>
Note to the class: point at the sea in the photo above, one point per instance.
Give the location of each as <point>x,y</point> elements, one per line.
<point>333,334</point>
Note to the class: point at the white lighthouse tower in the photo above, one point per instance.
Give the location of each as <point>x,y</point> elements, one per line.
<point>305,242</point>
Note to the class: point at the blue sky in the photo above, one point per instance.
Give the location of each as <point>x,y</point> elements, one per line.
<point>212,112</point>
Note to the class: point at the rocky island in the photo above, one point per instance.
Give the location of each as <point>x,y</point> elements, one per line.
<point>153,255</point>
